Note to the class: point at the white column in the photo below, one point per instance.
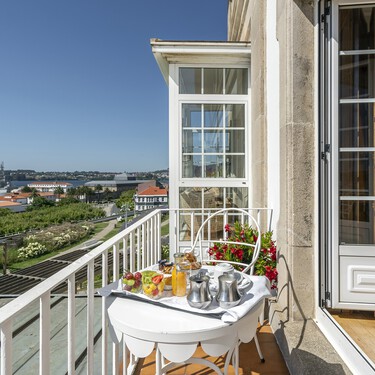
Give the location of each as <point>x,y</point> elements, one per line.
<point>273,121</point>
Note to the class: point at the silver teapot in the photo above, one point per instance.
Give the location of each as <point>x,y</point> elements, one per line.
<point>228,294</point>
<point>199,295</point>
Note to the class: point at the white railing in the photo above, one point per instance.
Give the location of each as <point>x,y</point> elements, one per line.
<point>142,242</point>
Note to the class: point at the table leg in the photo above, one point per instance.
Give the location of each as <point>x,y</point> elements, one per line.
<point>125,354</point>
<point>158,361</point>
<point>236,355</point>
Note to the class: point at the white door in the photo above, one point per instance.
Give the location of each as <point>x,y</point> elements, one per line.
<point>353,155</point>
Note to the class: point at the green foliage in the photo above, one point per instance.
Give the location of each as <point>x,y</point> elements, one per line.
<point>58,191</point>
<point>164,251</point>
<point>67,200</point>
<point>238,233</point>
<point>39,202</point>
<point>5,212</point>
<point>126,199</point>
<point>46,216</point>
<point>26,189</point>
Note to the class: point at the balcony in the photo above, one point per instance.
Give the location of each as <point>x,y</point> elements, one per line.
<point>67,333</point>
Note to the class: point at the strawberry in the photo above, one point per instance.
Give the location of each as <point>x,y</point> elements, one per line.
<point>157,279</point>
<point>155,292</point>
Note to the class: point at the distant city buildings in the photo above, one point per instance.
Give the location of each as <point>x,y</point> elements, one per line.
<point>47,186</point>
<point>121,182</point>
<point>149,198</point>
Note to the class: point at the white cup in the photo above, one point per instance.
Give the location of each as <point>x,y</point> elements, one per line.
<point>222,268</point>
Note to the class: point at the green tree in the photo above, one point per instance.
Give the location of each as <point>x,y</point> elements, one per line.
<point>72,192</point>
<point>98,189</point>
<point>126,199</point>
<point>26,189</point>
<point>40,202</point>
<point>5,212</point>
<point>84,190</point>
<point>58,191</point>
<point>34,193</point>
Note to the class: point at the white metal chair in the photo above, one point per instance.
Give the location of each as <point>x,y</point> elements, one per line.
<point>202,252</point>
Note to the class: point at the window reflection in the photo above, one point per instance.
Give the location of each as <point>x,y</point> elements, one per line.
<point>190,81</point>
<point>357,125</point>
<point>212,81</point>
<point>209,198</point>
<point>357,176</point>
<point>357,222</point>
<point>236,81</point>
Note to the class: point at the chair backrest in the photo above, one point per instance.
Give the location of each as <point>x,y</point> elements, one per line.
<point>202,250</point>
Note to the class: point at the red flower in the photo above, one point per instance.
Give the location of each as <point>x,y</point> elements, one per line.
<point>227,228</point>
<point>239,254</point>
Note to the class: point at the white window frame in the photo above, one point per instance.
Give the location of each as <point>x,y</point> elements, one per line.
<point>209,99</point>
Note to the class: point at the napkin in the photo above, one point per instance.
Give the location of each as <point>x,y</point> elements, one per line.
<point>259,291</point>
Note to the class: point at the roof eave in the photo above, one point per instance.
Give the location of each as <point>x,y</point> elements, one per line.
<point>167,52</point>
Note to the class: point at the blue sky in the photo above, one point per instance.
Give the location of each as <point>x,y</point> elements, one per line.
<point>79,86</point>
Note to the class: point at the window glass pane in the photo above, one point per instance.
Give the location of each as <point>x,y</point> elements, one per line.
<point>191,197</point>
<point>213,115</point>
<point>235,141</point>
<point>191,166</point>
<point>213,141</point>
<point>213,197</point>
<point>191,115</point>
<point>235,166</point>
<point>213,166</point>
<point>190,80</point>
<point>357,125</point>
<point>235,115</point>
<point>357,29</point>
<point>213,81</point>
<point>357,177</point>
<point>192,141</point>
<point>236,81</point>
<point>187,224</point>
<point>357,222</point>
<point>236,197</point>
<point>357,76</point>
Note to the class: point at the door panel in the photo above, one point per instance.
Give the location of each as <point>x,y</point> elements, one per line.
<point>353,167</point>
<point>357,283</point>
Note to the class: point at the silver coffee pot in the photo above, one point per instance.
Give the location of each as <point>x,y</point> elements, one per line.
<point>228,294</point>
<point>199,295</point>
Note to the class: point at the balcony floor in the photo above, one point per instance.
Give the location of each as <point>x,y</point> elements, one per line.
<point>249,360</point>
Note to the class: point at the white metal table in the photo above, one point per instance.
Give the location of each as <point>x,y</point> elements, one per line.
<point>176,334</point>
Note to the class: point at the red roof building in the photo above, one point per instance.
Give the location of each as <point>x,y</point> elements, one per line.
<point>150,198</point>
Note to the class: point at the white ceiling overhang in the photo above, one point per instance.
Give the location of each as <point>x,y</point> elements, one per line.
<point>178,52</point>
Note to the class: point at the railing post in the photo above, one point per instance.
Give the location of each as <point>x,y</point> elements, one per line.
<point>158,234</point>
<point>131,249</point>
<point>116,268</point>
<point>71,324</point>
<point>125,259</point>
<point>44,334</point>
<point>6,348</point>
<point>90,317</point>
<point>104,313</point>
<point>138,249</point>
<point>144,252</point>
<point>149,262</point>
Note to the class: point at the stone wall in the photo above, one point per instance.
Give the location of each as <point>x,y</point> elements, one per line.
<point>295,227</point>
<point>295,32</point>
